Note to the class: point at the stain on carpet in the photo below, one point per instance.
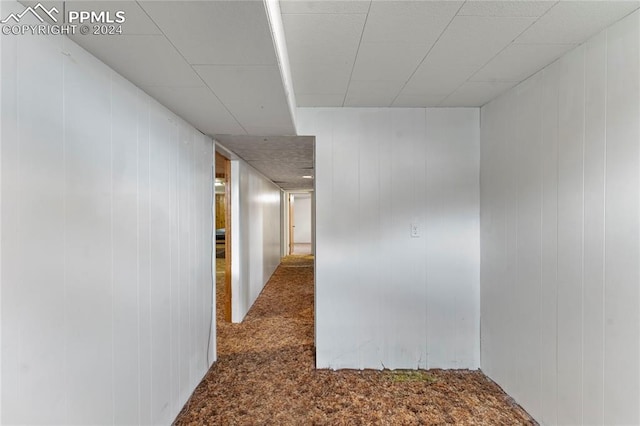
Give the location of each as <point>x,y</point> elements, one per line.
<point>265,375</point>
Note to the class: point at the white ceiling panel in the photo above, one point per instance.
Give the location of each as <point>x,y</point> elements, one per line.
<point>418,101</point>
<point>146,60</point>
<point>372,93</point>
<point>523,8</point>
<point>324,6</point>
<point>437,79</point>
<point>199,106</point>
<point>519,61</point>
<point>319,99</point>
<point>575,21</point>
<point>434,46</point>
<point>216,32</point>
<point>414,22</point>
<point>387,61</point>
<point>324,78</point>
<point>475,94</point>
<point>474,40</point>
<point>253,94</point>
<point>323,38</point>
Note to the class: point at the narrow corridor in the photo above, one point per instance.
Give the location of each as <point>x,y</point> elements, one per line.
<point>265,375</point>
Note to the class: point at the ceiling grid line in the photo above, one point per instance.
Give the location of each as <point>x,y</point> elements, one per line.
<point>497,54</point>
<point>428,52</point>
<point>191,66</point>
<point>346,92</point>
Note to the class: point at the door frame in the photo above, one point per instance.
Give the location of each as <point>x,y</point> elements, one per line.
<point>227,232</point>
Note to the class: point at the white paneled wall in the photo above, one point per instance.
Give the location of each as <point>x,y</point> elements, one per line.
<point>383,298</point>
<point>255,235</point>
<point>106,272</point>
<point>560,233</point>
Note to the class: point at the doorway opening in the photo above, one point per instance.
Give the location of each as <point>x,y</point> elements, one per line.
<point>223,238</point>
<point>300,230</point>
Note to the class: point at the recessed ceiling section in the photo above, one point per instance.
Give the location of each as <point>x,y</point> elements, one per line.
<point>214,63</point>
<point>253,94</point>
<point>431,53</point>
<point>213,27</point>
<point>282,159</point>
<point>204,109</point>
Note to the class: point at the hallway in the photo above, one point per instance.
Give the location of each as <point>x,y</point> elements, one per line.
<point>265,375</point>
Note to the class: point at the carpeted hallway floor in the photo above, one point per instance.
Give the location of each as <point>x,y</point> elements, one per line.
<point>265,375</point>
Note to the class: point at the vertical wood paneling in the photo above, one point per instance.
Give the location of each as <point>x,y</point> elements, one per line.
<point>549,247</point>
<point>570,236</point>
<point>95,327</point>
<point>408,302</point>
<point>493,237</point>
<point>379,170</point>
<point>144,261</point>
<point>490,226</point>
<point>369,177</point>
<point>40,194</point>
<point>88,238</point>
<point>622,225</point>
<point>585,184</point>
<point>12,404</point>
<point>594,161</point>
<point>529,200</point>
<point>184,287</point>
<point>124,135</point>
<point>451,229</point>
<point>161,148</point>
<point>386,251</point>
<point>511,238</point>
<point>255,224</point>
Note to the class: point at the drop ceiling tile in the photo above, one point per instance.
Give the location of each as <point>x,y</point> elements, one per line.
<point>419,22</point>
<point>199,106</point>
<point>372,93</point>
<point>575,21</point>
<point>387,61</point>
<point>519,61</point>
<point>327,78</point>
<point>473,40</point>
<point>417,101</point>
<point>146,60</point>
<point>314,38</point>
<point>437,79</point>
<point>476,94</point>
<point>324,6</point>
<point>319,99</point>
<point>506,8</point>
<point>253,94</point>
<point>216,32</point>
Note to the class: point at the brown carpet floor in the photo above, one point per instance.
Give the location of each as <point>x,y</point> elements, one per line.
<point>265,375</point>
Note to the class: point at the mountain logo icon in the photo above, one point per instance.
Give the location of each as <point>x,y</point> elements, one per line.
<point>34,11</point>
